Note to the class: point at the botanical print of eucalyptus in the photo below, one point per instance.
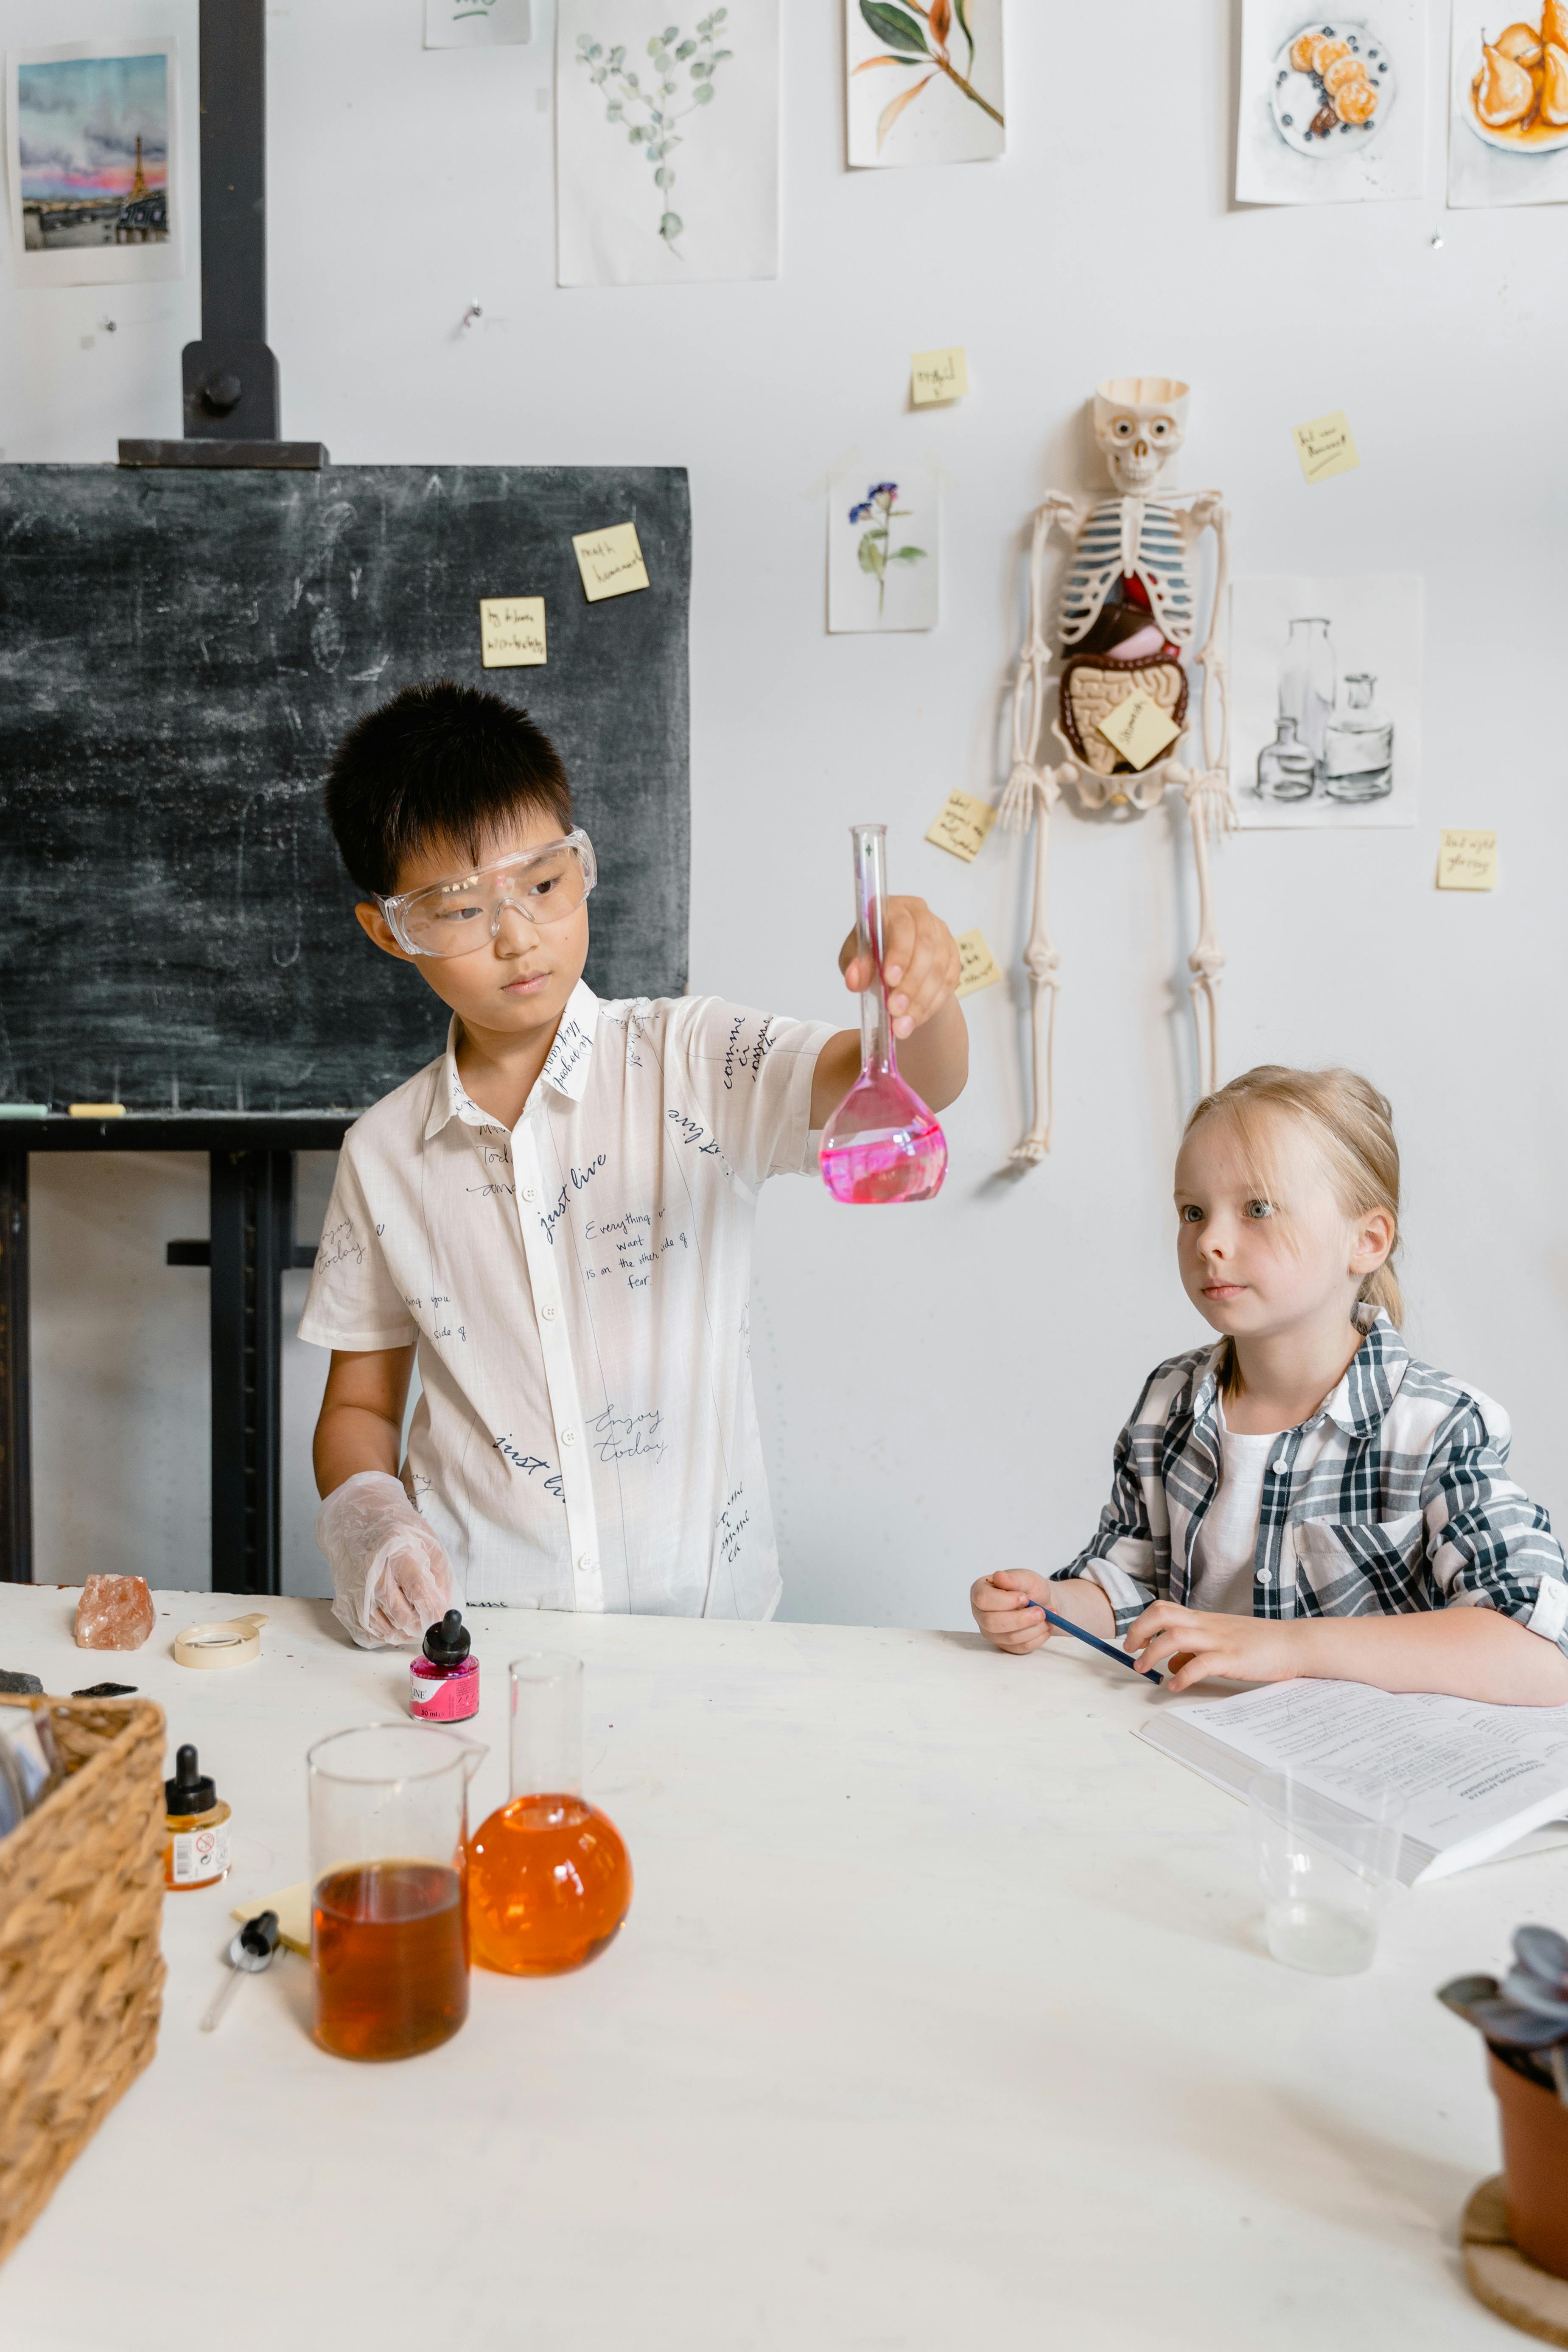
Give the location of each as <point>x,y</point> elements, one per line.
<point>925,80</point>
<point>680,69</point>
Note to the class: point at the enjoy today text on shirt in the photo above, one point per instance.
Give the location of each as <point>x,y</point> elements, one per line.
<point>580,1293</point>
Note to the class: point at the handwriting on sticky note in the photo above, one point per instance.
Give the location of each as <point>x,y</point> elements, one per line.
<point>1325,446</point>
<point>1467,861</point>
<point>610,562</point>
<point>512,632</point>
<point>936,377</point>
<point>977,967</point>
<point>962,827</point>
<point>1138,728</point>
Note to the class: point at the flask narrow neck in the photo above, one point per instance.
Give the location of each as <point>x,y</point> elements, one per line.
<point>870,917</point>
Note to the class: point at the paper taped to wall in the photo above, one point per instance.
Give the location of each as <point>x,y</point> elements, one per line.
<point>962,825</point>
<point>1467,861</point>
<point>978,967</point>
<point>512,632</point>
<point>611,561</point>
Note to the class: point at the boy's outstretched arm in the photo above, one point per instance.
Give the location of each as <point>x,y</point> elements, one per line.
<point>921,970</point>
<point>1465,1652</point>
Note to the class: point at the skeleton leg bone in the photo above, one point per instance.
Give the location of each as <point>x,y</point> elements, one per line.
<point>1041,959</point>
<point>1209,808</point>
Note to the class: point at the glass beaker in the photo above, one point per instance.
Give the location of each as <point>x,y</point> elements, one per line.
<point>549,1879</point>
<point>1326,1870</point>
<point>1286,769</point>
<point>1307,676</point>
<point>389,1948</point>
<point>1358,751</point>
<point>881,1145</point>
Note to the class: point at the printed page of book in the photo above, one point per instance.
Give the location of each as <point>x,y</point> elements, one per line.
<point>1475,1778</point>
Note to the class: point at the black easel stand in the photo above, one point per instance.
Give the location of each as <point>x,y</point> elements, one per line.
<point>230,385</point>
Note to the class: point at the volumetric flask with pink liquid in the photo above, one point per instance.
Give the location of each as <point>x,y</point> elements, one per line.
<point>882,1144</point>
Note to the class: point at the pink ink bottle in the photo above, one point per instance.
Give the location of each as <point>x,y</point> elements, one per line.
<point>444,1681</point>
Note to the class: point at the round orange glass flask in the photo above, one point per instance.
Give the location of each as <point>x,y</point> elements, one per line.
<point>549,1880</point>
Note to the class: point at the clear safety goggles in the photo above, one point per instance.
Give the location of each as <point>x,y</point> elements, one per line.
<point>454,919</point>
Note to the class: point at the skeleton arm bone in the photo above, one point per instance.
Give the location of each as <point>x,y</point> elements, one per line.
<point>1208,511</point>
<point>1034,667</point>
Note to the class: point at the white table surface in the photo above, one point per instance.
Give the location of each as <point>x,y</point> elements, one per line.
<point>940,2020</point>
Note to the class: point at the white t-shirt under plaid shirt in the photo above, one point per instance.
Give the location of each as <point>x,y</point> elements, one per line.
<point>580,1293</point>
<point>1393,1496</point>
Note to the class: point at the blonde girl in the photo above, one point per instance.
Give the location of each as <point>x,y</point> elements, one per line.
<point>1304,1499</point>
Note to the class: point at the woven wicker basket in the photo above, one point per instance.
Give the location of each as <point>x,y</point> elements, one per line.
<point>81,1975</point>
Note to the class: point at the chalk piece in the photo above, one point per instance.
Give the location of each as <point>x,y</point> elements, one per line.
<point>977,967</point>
<point>962,827</point>
<point>938,376</point>
<point>512,632</point>
<point>1138,728</point>
<point>97,1110</point>
<point>1467,861</point>
<point>610,562</point>
<point>23,1110</point>
<point>1325,446</point>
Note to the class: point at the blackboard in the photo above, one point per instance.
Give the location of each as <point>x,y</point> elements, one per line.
<point>180,654</point>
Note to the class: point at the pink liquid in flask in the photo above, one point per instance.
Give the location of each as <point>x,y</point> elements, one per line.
<point>881,1145</point>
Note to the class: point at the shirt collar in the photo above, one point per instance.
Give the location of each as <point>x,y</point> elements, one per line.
<point>1369,1387</point>
<point>1371,1382</point>
<point>566,1065</point>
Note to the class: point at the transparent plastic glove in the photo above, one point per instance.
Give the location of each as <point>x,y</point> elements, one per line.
<point>390,1576</point>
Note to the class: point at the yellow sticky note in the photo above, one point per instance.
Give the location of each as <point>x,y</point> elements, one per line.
<point>1138,728</point>
<point>962,827</point>
<point>977,967</point>
<point>1467,861</point>
<point>1325,446</point>
<point>936,377</point>
<point>610,562</point>
<point>512,632</point>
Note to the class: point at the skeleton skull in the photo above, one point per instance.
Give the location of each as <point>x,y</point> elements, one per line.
<point>1140,421</point>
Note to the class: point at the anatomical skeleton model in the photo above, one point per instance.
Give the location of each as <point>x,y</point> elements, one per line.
<point>1128,616</point>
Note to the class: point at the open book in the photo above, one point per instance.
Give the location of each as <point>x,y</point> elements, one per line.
<point>1474,1779</point>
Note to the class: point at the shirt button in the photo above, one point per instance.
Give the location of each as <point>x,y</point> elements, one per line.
<point>568,1437</point>
<point>1279,1467</point>
<point>1263,1576</point>
<point>529,1194</point>
<point>586,1564</point>
<point>548,1312</point>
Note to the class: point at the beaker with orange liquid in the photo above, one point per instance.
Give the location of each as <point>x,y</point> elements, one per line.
<point>549,1880</point>
<point>389,1947</point>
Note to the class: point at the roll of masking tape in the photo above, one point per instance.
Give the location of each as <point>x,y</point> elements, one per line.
<point>235,1642</point>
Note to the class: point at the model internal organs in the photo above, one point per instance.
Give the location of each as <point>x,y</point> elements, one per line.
<point>1127,621</point>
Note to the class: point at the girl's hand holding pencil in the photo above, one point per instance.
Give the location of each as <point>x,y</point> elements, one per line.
<point>1017,1611</point>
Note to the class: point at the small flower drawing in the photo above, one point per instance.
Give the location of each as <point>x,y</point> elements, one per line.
<point>880,509</point>
<point>680,68</point>
<point>918,33</point>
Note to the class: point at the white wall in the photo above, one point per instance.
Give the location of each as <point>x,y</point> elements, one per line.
<point>939,1388</point>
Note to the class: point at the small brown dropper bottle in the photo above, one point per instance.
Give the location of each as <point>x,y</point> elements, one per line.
<point>198,1821</point>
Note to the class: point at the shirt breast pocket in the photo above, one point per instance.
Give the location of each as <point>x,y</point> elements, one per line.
<point>1362,1566</point>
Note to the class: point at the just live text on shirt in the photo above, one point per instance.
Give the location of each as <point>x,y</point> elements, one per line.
<point>579,1290</point>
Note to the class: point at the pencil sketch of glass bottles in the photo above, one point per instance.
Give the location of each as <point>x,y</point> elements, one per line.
<point>1332,733</point>
<point>1358,747</point>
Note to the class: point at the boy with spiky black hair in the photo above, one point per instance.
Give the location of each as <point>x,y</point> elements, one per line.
<point>555,1216</point>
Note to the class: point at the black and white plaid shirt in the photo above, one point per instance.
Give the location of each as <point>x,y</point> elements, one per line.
<point>1393,1496</point>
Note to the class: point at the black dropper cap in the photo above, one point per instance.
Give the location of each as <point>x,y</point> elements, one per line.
<point>189,1791</point>
<point>259,1936</point>
<point>448,1643</point>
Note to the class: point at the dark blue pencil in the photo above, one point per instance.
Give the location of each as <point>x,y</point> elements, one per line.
<point>1065,1625</point>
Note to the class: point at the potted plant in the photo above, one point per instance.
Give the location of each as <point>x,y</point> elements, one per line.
<point>1525,2024</point>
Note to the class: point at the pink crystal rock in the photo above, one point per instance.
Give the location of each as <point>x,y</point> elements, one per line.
<point>115,1612</point>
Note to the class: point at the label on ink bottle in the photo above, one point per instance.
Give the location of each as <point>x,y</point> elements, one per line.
<point>200,1854</point>
<point>451,1698</point>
